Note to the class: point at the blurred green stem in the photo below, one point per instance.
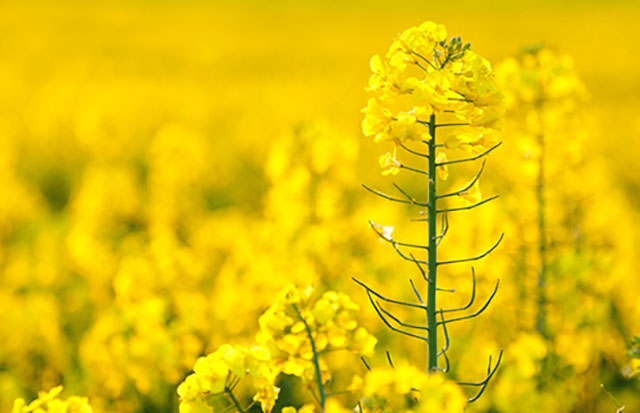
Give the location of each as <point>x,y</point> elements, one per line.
<point>541,322</point>
<point>613,399</point>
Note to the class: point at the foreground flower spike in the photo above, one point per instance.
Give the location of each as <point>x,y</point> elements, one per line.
<point>296,329</point>
<point>423,85</point>
<point>294,332</point>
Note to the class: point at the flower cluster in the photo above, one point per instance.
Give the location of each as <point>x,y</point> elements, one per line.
<point>294,331</point>
<point>217,372</point>
<point>330,321</point>
<point>404,388</point>
<point>422,75</point>
<point>540,75</point>
<point>542,93</point>
<point>49,402</point>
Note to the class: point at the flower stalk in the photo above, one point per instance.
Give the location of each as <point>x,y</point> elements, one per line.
<point>316,360</point>
<point>234,400</point>
<point>424,76</point>
<point>542,241</point>
<point>432,211</point>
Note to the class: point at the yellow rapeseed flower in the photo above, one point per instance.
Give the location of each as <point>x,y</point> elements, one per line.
<point>390,165</point>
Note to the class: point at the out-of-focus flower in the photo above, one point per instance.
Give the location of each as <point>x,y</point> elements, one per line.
<point>49,402</point>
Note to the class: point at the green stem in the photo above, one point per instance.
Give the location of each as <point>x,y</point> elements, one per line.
<point>432,267</point>
<point>235,401</point>
<point>541,321</point>
<point>316,359</point>
<point>613,399</point>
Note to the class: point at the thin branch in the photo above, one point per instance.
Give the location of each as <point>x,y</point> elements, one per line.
<point>389,360</point>
<point>416,170</point>
<point>426,142</point>
<point>462,100</point>
<point>465,208</point>
<point>390,198</point>
<point>459,93</point>
<point>409,197</point>
<point>384,320</point>
<point>228,408</point>
<point>474,158</point>
<point>443,352</point>
<point>483,384</point>
<point>412,259</point>
<point>415,290</point>
<point>424,275</point>
<point>425,59</point>
<point>444,228</point>
<point>473,296</point>
<point>451,124</point>
<point>446,359</point>
<point>446,335</point>
<point>477,313</point>
<point>406,148</point>
<point>489,371</point>
<point>421,67</point>
<point>394,242</point>
<point>234,382</point>
<point>388,300</point>
<point>422,271</point>
<point>469,185</point>
<point>394,318</point>
<point>234,400</point>
<point>477,257</point>
<point>619,408</point>
<point>364,361</point>
<point>315,396</point>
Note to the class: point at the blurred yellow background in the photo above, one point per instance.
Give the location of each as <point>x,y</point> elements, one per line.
<point>135,144</point>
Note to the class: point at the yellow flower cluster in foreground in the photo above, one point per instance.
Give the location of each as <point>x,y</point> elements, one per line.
<point>214,373</point>
<point>331,319</point>
<point>294,332</point>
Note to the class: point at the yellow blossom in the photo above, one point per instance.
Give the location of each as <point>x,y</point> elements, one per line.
<point>390,165</point>
<point>443,170</point>
<point>267,395</point>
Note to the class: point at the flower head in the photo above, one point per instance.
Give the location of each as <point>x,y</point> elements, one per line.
<point>390,165</point>
<point>424,74</point>
<point>331,320</point>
